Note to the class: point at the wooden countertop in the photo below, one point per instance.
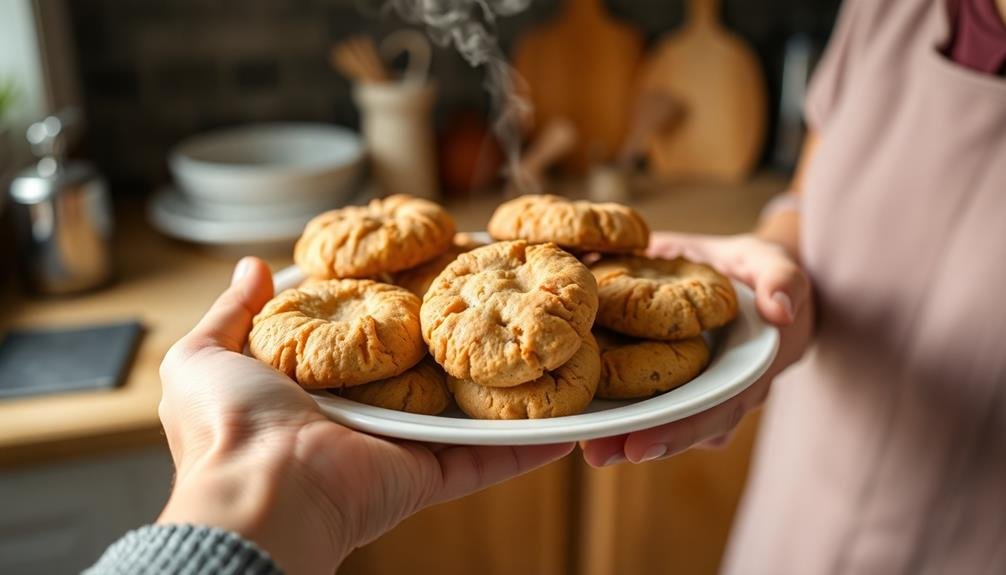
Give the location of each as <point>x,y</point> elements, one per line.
<point>168,285</point>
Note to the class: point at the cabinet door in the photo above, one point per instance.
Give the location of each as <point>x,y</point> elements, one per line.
<point>520,527</point>
<point>59,518</point>
<point>665,516</point>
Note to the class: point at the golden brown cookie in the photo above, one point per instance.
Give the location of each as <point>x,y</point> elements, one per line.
<point>389,235</point>
<point>662,299</point>
<point>576,225</point>
<point>504,314</point>
<point>567,390</point>
<point>636,368</point>
<point>421,389</point>
<point>339,333</point>
<point>418,279</point>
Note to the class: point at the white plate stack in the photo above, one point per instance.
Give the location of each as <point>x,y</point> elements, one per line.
<point>257,184</point>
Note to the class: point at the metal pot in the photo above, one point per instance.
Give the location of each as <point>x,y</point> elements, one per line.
<point>62,215</point>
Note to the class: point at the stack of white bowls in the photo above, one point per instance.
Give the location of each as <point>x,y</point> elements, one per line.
<point>257,184</point>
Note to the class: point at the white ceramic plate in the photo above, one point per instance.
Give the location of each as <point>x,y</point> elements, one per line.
<point>179,216</point>
<point>741,353</point>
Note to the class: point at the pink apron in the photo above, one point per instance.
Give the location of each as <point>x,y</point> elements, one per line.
<point>884,450</point>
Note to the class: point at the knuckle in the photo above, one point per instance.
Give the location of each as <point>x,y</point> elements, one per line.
<point>782,272</point>
<point>736,415</point>
<point>686,438</point>
<point>180,353</point>
<point>745,239</point>
<point>478,466</point>
<point>163,412</point>
<point>802,280</point>
<point>715,442</point>
<point>515,460</point>
<point>173,358</point>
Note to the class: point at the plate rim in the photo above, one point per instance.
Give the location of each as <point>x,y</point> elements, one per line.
<point>630,416</point>
<point>165,218</point>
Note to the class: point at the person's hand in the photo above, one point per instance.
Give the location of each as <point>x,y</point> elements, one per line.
<point>783,297</point>
<point>255,455</point>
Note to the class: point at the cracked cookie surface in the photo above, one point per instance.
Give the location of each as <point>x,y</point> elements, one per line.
<point>634,368</point>
<point>503,314</point>
<point>567,390</point>
<point>662,299</point>
<point>420,389</point>
<point>418,279</point>
<point>577,225</point>
<point>385,236</point>
<point>339,333</point>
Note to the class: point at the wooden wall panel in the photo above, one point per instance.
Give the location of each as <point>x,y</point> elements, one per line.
<point>669,516</point>
<point>519,527</point>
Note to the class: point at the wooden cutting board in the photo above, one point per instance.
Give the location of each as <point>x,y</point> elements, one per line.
<point>717,79</point>
<point>582,67</point>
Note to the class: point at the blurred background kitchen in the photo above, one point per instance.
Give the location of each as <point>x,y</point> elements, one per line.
<point>144,145</point>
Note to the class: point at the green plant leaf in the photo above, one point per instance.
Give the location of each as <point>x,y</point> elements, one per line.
<point>8,95</point>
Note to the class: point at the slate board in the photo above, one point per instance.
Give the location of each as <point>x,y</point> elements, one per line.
<point>37,361</point>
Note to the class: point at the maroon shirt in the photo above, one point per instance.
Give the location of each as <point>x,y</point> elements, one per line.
<point>979,40</point>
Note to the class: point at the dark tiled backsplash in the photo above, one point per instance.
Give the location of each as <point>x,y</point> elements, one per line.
<point>156,71</point>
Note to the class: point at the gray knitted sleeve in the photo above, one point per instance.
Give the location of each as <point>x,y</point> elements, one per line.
<point>183,550</point>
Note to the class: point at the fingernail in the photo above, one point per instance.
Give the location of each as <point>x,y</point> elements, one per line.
<point>241,270</point>
<point>614,460</point>
<point>654,452</point>
<point>786,303</point>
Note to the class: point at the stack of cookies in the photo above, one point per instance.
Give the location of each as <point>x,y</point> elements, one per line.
<point>651,312</point>
<point>650,322</point>
<point>510,323</point>
<point>347,328</point>
<point>402,312</point>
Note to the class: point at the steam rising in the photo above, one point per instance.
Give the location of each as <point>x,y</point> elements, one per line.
<point>469,25</point>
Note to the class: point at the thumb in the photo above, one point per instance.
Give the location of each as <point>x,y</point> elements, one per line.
<point>229,320</point>
<point>780,292</point>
